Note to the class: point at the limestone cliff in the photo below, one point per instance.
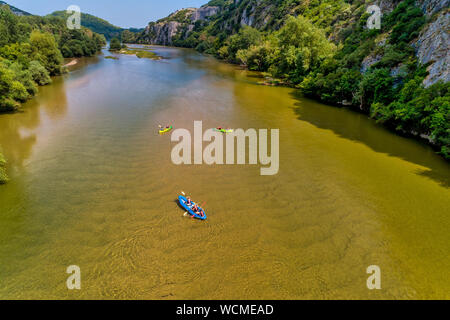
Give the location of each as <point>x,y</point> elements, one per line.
<point>432,46</point>
<point>163,31</point>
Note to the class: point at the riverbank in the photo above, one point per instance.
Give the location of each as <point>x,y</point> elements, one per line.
<point>436,98</point>
<point>385,72</point>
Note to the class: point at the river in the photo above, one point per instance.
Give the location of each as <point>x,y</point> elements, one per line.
<point>93,185</point>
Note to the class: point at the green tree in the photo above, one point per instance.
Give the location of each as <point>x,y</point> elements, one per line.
<point>45,50</point>
<point>8,26</point>
<point>300,48</point>
<point>39,74</point>
<point>115,44</point>
<point>243,40</point>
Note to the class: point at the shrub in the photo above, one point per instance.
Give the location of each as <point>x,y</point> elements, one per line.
<point>115,44</point>
<point>39,74</point>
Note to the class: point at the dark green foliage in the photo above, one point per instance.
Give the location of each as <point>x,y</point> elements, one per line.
<point>420,111</point>
<point>93,23</point>
<point>405,21</point>
<point>129,36</point>
<point>376,86</point>
<point>115,44</point>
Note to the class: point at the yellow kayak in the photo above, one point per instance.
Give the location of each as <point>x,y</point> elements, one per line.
<point>224,130</point>
<point>162,131</point>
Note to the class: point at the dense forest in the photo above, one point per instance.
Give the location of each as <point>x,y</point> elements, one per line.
<point>32,49</point>
<point>322,47</point>
<point>93,23</point>
<point>103,27</point>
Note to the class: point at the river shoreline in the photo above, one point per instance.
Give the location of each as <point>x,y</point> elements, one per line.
<point>71,63</point>
<point>87,166</point>
<point>273,82</point>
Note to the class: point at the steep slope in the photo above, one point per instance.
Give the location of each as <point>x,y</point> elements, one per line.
<point>221,18</point>
<point>94,23</point>
<point>178,24</point>
<point>15,10</point>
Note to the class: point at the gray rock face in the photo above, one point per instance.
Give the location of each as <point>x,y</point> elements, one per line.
<point>369,61</point>
<point>248,17</point>
<point>387,6</point>
<point>204,12</point>
<point>162,33</point>
<point>433,46</point>
<point>430,7</point>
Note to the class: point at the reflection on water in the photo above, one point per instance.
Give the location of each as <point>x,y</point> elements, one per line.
<point>356,127</point>
<point>93,185</point>
<point>17,135</point>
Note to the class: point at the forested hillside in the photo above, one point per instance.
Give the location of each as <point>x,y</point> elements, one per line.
<point>15,10</point>
<point>398,74</point>
<point>31,51</point>
<point>94,23</point>
<point>103,27</point>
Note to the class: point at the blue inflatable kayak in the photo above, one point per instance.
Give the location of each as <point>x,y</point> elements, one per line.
<point>183,203</point>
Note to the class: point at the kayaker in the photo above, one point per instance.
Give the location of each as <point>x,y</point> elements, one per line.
<point>199,212</point>
<point>188,202</point>
<point>196,209</point>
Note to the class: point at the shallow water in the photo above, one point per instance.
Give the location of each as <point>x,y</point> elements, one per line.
<point>92,184</point>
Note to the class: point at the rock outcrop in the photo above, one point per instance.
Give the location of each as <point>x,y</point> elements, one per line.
<point>432,46</point>
<point>163,31</point>
<point>430,7</point>
<point>204,12</point>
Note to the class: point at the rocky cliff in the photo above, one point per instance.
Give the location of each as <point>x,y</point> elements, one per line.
<point>228,16</point>
<point>163,31</point>
<point>432,46</point>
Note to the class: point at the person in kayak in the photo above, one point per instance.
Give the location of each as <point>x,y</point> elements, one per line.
<point>197,210</point>
<point>188,202</point>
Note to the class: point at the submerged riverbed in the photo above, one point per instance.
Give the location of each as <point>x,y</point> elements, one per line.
<point>92,184</point>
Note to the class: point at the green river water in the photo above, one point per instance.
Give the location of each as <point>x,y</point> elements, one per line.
<point>92,184</point>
